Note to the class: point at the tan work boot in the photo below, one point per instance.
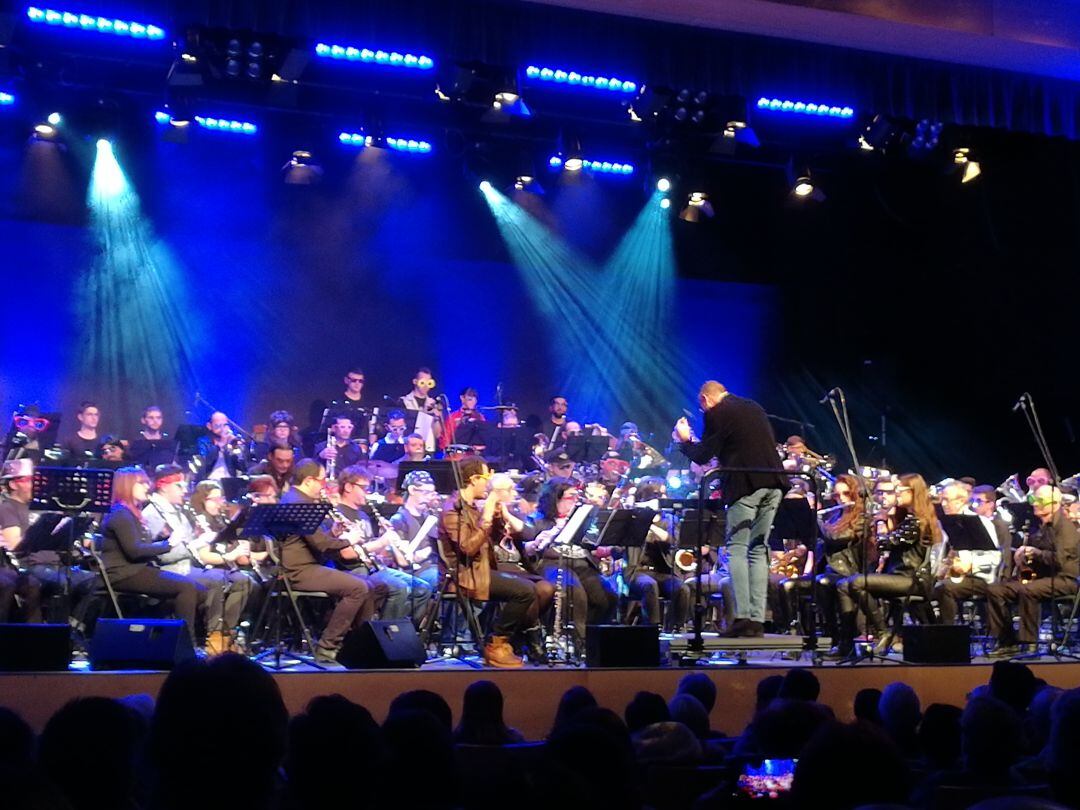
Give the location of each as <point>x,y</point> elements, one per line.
<point>499,654</point>
<point>216,643</point>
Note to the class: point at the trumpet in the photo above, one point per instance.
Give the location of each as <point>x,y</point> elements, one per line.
<point>1011,490</point>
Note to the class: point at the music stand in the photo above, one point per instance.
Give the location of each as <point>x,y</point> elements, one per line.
<point>278,521</point>
<point>624,528</point>
<point>586,449</point>
<point>709,530</point>
<point>442,472</point>
<point>72,490</point>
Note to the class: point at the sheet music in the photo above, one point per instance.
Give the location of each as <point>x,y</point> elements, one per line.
<point>574,524</point>
<point>425,530</point>
<point>424,422</point>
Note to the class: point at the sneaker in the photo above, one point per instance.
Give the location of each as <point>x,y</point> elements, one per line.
<point>500,655</point>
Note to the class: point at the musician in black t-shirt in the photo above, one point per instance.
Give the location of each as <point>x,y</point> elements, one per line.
<point>81,447</point>
<point>154,446</point>
<point>17,480</point>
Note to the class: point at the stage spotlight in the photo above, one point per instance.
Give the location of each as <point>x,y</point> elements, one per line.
<point>969,167</point>
<point>45,132</point>
<point>804,188</point>
<point>54,119</point>
<point>6,99</point>
<point>881,133</point>
<point>485,186</point>
<point>576,79</point>
<point>302,169</point>
<point>95,24</point>
<point>665,203</point>
<point>697,206</point>
<point>493,87</point>
<point>663,185</point>
<point>371,56</point>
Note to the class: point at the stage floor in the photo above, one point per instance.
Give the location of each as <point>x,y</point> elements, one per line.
<point>532,693</point>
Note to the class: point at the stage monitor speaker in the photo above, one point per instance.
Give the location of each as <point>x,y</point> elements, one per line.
<point>617,645</point>
<point>937,643</point>
<point>140,644</point>
<point>35,647</point>
<point>388,644</point>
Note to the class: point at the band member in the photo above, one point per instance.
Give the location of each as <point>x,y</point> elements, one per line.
<point>903,567</point>
<point>302,559</point>
<point>554,428</point>
<point>418,400</point>
<point>650,569</point>
<point>280,432</point>
<point>738,433</point>
<point>221,452</point>
<point>471,526</point>
<point>18,484</point>
<point>44,572</point>
<point>1039,477</point>
<point>343,450</point>
<point>1045,565</point>
<point>391,447</point>
<point>81,447</point>
<point>225,548</point>
<point>511,558</point>
<point>127,547</point>
<point>418,554</point>
<point>111,454</point>
<point>350,403</point>
<point>226,592</point>
<point>407,595</point>
<point>971,573</point>
<point>466,413</point>
<point>278,465</point>
<point>414,448</point>
<point>844,546</point>
<point>26,437</point>
<point>591,599</point>
<point>154,446</point>
<point>558,463</point>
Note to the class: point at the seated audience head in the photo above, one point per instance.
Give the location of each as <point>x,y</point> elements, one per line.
<point>482,717</point>
<point>989,735</point>
<point>1013,683</point>
<point>800,684</point>
<point>180,728</point>
<point>426,701</point>
<point>939,736</point>
<point>866,705</point>
<point>767,690</point>
<point>645,709</point>
<point>687,709</point>
<point>574,701</point>
<point>700,686</point>
<point>900,713</point>
<point>867,754</point>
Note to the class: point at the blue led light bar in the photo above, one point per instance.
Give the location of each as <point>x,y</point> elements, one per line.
<point>399,144</point>
<point>95,23</point>
<point>804,108</point>
<point>572,78</point>
<point>598,166</point>
<point>214,124</point>
<point>6,99</point>
<point>368,56</point>
<point>226,125</point>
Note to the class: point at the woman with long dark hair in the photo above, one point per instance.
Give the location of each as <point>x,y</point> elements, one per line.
<point>903,568</point>
<point>592,600</point>
<point>843,550</point>
<point>127,549</point>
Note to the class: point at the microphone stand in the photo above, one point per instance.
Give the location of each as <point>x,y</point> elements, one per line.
<point>1026,403</point>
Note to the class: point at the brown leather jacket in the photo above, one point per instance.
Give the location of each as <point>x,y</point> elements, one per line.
<point>469,547</point>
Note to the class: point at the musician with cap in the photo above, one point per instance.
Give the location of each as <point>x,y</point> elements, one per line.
<point>45,567</point>
<point>18,485</point>
<point>416,522</point>
<point>1044,566</point>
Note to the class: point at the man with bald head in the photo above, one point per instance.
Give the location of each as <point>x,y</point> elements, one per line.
<point>737,433</point>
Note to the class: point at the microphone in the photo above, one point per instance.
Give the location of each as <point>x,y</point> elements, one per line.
<point>828,395</point>
<point>1020,403</point>
<point>389,398</point>
<point>687,413</point>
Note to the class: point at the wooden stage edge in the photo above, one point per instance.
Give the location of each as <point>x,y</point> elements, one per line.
<point>531,695</point>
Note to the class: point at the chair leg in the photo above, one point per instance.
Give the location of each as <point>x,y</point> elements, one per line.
<point>304,632</point>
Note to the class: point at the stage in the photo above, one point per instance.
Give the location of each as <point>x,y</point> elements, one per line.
<point>532,694</point>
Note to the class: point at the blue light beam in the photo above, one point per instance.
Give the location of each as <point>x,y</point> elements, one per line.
<point>95,24</point>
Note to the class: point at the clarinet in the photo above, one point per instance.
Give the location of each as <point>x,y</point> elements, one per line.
<point>331,462</point>
<point>361,552</point>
